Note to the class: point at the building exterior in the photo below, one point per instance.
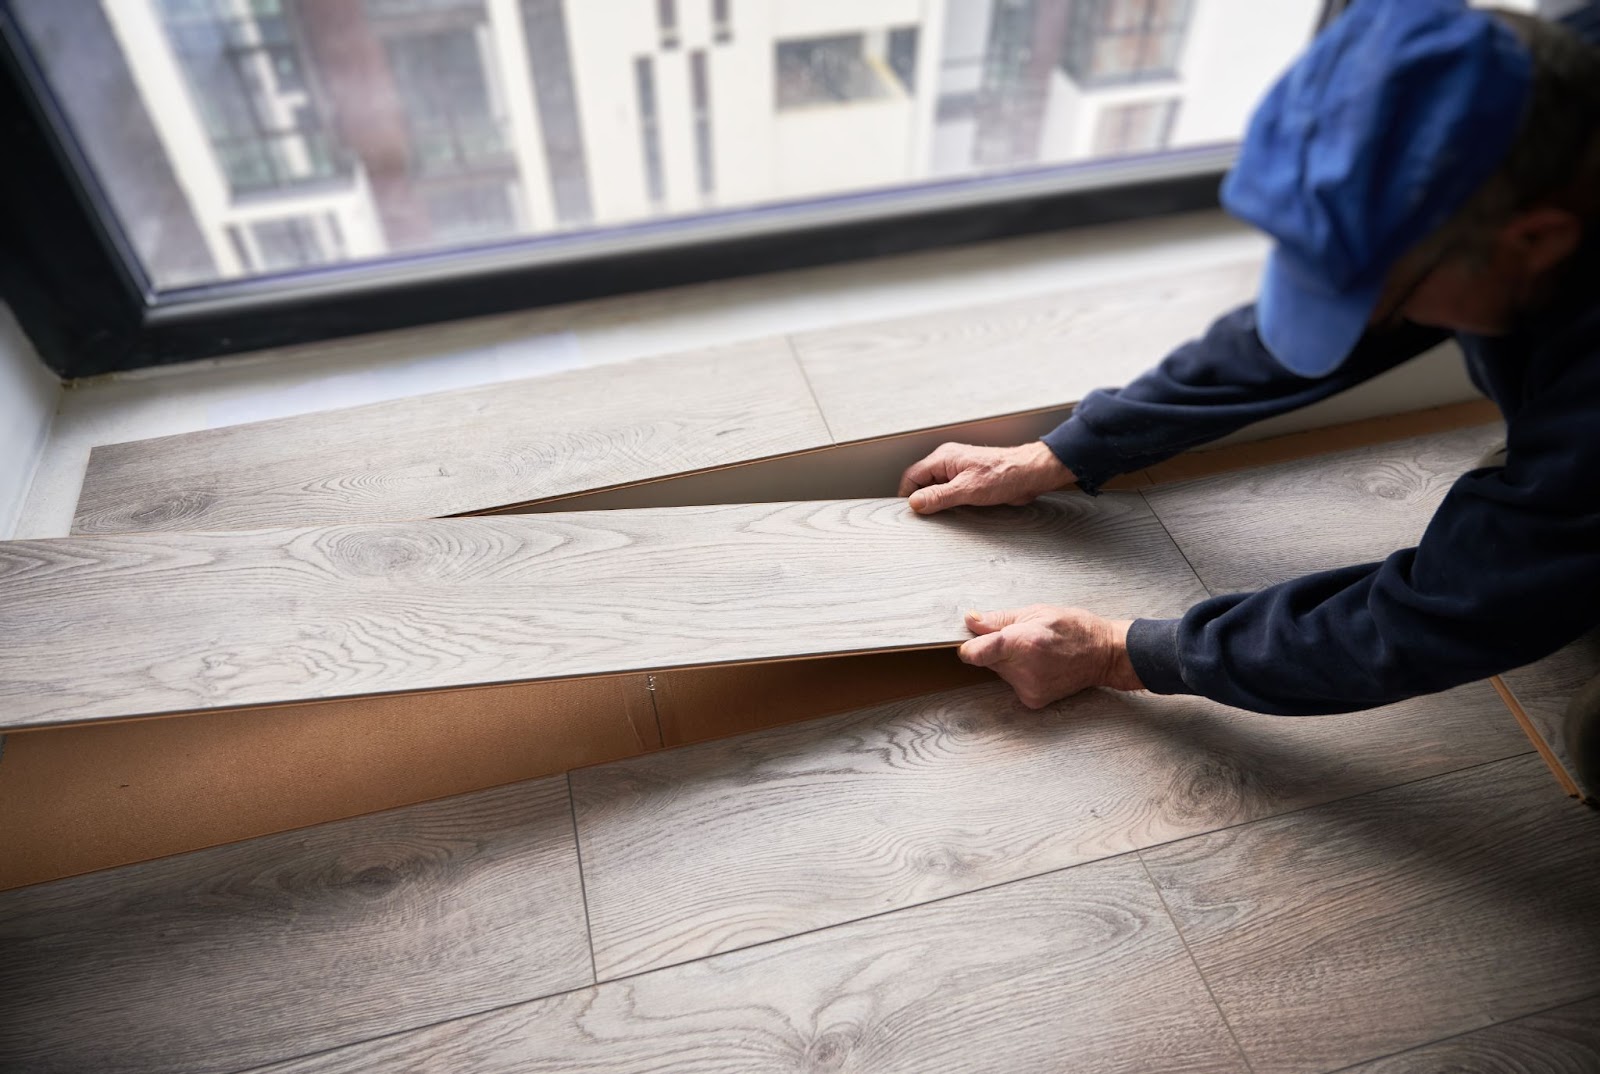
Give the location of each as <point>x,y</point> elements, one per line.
<point>306,132</point>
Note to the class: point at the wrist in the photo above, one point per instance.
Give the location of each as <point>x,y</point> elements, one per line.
<point>1052,472</point>
<point>1118,671</point>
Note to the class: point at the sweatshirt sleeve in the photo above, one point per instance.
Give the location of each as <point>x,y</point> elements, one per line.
<point>1204,390</point>
<point>1507,572</point>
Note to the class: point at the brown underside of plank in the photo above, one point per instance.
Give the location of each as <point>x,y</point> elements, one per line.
<point>1556,768</point>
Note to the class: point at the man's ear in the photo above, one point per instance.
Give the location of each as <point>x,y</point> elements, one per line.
<point>1541,238</point>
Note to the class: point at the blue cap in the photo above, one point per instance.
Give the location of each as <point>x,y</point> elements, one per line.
<point>1387,124</point>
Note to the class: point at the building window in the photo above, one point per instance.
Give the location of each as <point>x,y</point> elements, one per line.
<point>280,245</point>
<point>247,78</point>
<point>1140,127</point>
<point>843,68</point>
<point>700,95</point>
<point>444,93</point>
<point>471,212</point>
<point>721,21</point>
<point>644,79</point>
<point>667,22</point>
<point>1112,41</point>
<point>903,56</point>
<point>550,64</point>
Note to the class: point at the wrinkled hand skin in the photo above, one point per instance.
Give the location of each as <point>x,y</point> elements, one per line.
<point>1049,653</point>
<point>961,475</point>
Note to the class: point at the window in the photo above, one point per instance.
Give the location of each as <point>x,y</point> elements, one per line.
<point>838,70</point>
<point>649,128</point>
<point>471,212</point>
<point>700,96</point>
<point>1111,41</point>
<point>443,93</point>
<point>246,73</point>
<point>418,133</point>
<point>667,20</point>
<point>1139,127</point>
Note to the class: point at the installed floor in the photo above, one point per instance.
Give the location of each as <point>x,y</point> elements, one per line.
<point>947,883</point>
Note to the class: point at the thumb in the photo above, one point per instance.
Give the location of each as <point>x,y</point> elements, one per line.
<point>983,652</point>
<point>938,497</point>
<point>989,622</point>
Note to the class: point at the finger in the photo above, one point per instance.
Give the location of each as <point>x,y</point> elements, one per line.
<point>989,622</point>
<point>933,469</point>
<point>985,651</point>
<point>935,498</point>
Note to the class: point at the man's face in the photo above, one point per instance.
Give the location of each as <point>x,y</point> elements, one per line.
<point>1480,291</point>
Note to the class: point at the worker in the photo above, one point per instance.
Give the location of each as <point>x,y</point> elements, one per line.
<point>1425,170</point>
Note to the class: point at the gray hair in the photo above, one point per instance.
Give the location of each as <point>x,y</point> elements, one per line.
<point>1555,159</point>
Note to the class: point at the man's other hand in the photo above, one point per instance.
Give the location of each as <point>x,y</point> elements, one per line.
<point>957,475</point>
<point>1049,653</point>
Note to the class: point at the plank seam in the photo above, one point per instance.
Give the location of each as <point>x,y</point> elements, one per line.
<point>1557,769</point>
<point>1467,1033</point>
<point>794,354</point>
<point>1187,950</point>
<point>583,890</point>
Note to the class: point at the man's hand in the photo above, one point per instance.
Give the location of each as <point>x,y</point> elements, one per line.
<point>959,474</point>
<point>1049,653</point>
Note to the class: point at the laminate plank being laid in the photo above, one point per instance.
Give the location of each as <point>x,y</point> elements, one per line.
<point>462,451</point>
<point>154,624</point>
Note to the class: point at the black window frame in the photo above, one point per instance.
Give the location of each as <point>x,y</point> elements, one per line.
<point>72,280</point>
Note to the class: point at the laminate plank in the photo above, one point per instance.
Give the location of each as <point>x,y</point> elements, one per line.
<point>896,376</point>
<point>1544,687</point>
<point>1243,531</point>
<point>245,954</point>
<point>1364,927</point>
<point>1563,1041</point>
<point>456,452</point>
<point>113,627</point>
<point>1078,970</point>
<point>811,825</point>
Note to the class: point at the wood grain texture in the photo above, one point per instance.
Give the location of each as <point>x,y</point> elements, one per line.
<point>892,377</point>
<point>242,955</point>
<point>1563,1041</point>
<point>456,452</point>
<point>812,825</point>
<point>1080,970</point>
<point>1544,687</point>
<point>1254,528</point>
<point>108,627</point>
<point>1360,928</point>
<point>77,799</point>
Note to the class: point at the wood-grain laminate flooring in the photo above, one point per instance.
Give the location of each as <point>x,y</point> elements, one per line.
<point>1254,528</point>
<point>228,958</point>
<point>1543,688</point>
<point>1080,970</point>
<point>122,626</point>
<point>1565,1040</point>
<point>1360,928</point>
<point>456,452</point>
<point>836,819</point>
<point>891,377</point>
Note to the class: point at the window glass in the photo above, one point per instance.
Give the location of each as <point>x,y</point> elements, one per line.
<point>238,138</point>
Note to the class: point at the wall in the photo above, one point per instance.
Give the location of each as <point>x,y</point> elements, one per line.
<point>29,394</point>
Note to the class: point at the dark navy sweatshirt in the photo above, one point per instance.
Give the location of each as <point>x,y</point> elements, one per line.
<point>1507,571</point>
